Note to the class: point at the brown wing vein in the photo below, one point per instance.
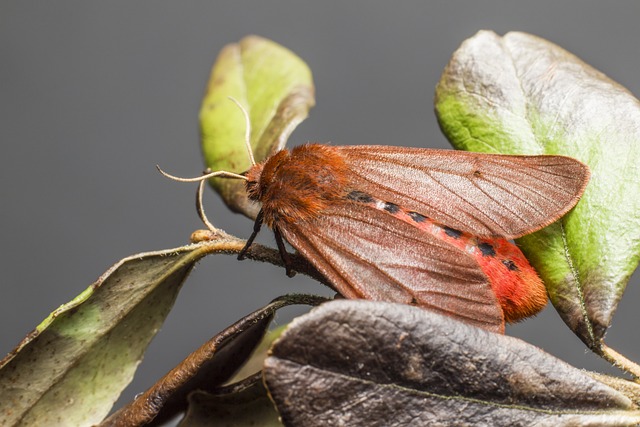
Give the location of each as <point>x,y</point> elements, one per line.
<point>529,171</point>
<point>511,193</point>
<point>406,239</point>
<point>431,208</point>
<point>474,208</point>
<point>454,312</point>
<point>357,248</point>
<point>530,192</point>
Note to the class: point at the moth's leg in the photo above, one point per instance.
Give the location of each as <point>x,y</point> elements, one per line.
<point>286,259</point>
<point>256,229</point>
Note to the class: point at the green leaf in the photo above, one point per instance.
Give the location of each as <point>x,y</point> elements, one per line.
<point>522,94</point>
<point>254,363</point>
<point>73,366</point>
<point>351,362</point>
<point>274,86</point>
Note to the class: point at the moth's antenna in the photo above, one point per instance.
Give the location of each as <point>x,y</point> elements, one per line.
<point>207,175</point>
<point>222,174</point>
<point>247,130</point>
<point>202,179</point>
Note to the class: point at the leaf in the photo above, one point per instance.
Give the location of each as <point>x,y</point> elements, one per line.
<point>629,388</point>
<point>275,87</point>
<point>73,366</point>
<point>246,406</point>
<point>351,362</point>
<point>254,363</point>
<point>206,369</point>
<point>522,94</point>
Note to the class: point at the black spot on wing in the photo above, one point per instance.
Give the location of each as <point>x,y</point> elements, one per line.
<point>416,217</point>
<point>510,265</point>
<point>452,232</point>
<point>392,208</point>
<point>487,249</point>
<point>360,197</point>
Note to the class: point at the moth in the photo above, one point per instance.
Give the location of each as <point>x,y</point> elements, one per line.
<point>419,226</point>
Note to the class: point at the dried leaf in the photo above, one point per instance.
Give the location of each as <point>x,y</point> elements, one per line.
<point>205,369</point>
<point>240,407</point>
<point>352,362</point>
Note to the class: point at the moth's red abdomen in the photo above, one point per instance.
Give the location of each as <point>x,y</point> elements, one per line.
<point>296,186</point>
<point>517,286</point>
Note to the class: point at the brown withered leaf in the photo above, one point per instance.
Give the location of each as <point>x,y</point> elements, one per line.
<point>245,404</point>
<point>361,363</point>
<point>205,369</point>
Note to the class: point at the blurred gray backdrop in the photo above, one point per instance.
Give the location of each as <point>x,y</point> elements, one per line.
<point>94,94</point>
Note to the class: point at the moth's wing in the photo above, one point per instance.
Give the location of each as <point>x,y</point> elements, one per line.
<point>482,194</point>
<point>370,254</point>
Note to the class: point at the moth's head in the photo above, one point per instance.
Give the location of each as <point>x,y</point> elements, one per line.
<point>261,175</point>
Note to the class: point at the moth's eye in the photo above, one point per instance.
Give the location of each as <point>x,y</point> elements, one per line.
<point>253,190</point>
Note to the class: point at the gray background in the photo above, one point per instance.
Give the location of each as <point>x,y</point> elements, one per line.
<point>94,94</point>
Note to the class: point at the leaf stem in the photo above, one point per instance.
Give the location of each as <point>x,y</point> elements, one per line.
<point>620,361</point>
<point>218,241</point>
